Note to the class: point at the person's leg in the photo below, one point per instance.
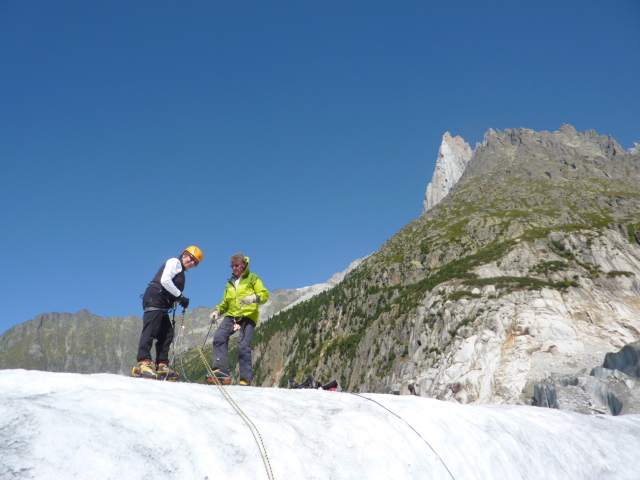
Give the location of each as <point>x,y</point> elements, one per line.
<point>221,345</point>
<point>164,339</point>
<point>150,326</point>
<point>244,350</point>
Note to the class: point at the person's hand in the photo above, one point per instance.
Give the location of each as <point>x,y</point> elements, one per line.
<point>214,316</point>
<point>248,300</point>
<point>236,327</point>
<point>183,301</point>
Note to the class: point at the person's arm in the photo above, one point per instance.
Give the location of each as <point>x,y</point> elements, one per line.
<point>171,269</point>
<point>261,291</point>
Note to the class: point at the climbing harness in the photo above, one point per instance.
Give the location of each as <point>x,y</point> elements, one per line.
<point>254,430</point>
<point>411,427</point>
<point>156,309</point>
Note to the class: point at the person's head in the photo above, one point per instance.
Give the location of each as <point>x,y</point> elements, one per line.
<point>238,264</point>
<point>191,257</point>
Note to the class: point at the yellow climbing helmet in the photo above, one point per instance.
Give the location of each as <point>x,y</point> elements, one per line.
<point>195,252</point>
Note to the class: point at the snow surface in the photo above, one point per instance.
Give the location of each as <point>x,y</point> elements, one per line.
<point>103,426</point>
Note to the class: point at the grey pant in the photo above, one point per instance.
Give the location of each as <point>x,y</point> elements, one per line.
<point>221,346</point>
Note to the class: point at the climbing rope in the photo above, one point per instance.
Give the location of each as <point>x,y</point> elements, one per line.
<point>179,344</point>
<point>254,430</point>
<point>411,427</point>
<point>180,341</point>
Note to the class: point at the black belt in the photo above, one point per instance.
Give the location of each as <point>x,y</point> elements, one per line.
<point>156,309</point>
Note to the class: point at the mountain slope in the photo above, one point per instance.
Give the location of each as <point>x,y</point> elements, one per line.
<point>527,269</point>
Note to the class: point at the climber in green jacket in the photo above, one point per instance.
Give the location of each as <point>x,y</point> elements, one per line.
<point>243,294</point>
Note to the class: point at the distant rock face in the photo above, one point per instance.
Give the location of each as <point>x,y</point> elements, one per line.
<point>281,299</point>
<point>81,343</point>
<point>453,157</point>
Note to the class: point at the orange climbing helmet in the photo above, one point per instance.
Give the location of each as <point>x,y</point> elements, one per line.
<point>195,252</point>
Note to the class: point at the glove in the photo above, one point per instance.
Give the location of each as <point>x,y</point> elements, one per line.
<point>248,300</point>
<point>183,301</point>
<point>214,316</point>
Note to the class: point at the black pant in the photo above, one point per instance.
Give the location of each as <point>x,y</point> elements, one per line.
<point>156,325</point>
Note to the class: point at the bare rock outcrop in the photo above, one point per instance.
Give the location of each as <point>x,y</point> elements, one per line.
<point>453,157</point>
<point>521,346</point>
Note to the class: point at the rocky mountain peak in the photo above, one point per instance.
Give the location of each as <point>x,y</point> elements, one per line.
<point>453,157</point>
<point>518,151</point>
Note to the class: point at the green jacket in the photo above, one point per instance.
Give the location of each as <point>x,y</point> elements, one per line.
<point>249,283</point>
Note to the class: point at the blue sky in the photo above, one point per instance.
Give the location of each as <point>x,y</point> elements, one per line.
<point>303,134</point>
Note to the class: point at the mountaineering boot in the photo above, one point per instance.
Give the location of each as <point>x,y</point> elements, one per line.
<point>165,372</point>
<point>219,377</point>
<point>144,369</point>
<point>244,382</point>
